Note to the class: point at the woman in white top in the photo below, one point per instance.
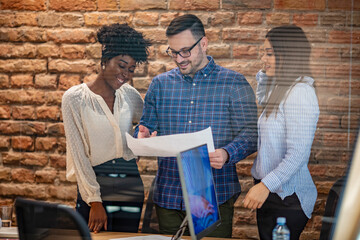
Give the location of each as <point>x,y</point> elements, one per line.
<point>96,117</point>
<point>286,127</point>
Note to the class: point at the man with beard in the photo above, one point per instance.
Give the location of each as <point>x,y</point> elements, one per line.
<point>195,95</point>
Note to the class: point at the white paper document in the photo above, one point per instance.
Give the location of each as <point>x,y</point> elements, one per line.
<point>170,145</point>
<point>150,237</point>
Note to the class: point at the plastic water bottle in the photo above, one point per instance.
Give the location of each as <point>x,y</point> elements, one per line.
<point>281,231</point>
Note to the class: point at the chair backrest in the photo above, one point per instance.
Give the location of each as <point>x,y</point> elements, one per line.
<point>150,224</point>
<point>43,220</point>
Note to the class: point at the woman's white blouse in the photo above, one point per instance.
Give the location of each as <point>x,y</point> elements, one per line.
<point>94,134</point>
<point>284,145</point>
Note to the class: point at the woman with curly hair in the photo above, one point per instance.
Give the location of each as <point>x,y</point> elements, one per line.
<point>96,117</point>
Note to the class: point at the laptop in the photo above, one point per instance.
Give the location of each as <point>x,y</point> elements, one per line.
<point>197,183</point>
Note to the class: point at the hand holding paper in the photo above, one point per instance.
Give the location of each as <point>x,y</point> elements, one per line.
<point>170,145</point>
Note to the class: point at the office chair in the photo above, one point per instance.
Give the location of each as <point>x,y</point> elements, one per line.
<point>150,224</point>
<point>49,221</point>
<point>330,208</point>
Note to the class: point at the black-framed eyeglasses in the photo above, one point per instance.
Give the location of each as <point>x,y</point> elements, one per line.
<point>185,53</point>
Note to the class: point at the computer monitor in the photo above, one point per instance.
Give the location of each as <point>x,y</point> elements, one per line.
<point>39,220</point>
<point>198,189</point>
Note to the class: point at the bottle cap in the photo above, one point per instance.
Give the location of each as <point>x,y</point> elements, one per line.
<point>281,220</point>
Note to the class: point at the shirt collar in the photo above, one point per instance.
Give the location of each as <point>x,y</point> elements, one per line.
<point>210,66</point>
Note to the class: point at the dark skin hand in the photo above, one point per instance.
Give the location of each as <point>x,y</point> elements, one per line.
<point>97,217</point>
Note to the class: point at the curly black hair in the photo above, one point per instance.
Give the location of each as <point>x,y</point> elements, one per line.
<point>120,39</point>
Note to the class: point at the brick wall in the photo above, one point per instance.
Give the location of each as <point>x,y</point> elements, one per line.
<point>47,46</point>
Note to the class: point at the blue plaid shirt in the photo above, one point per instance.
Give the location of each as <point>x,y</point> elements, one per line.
<point>216,97</point>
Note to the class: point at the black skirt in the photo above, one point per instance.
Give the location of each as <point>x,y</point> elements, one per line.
<point>122,193</point>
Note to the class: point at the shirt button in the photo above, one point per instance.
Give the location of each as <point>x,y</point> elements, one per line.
<point>205,75</point>
<point>189,121</point>
<point>113,161</point>
<point>192,102</point>
<point>194,84</point>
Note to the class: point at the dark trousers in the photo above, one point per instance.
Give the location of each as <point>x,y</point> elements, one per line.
<point>122,194</point>
<point>171,219</point>
<point>273,208</point>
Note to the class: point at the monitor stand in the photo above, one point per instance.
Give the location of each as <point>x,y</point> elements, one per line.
<point>181,230</point>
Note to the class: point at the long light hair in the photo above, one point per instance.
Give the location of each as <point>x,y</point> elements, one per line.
<point>292,53</point>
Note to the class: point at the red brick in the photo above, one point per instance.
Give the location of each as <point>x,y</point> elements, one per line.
<point>120,18</point>
<point>335,139</point>
<point>16,51</point>
<point>72,20</point>
<point>316,35</point>
<point>23,175</point>
<point>243,34</point>
<point>351,122</point>
<point>24,35</point>
<point>90,78</point>
<point>66,81</point>
<point>5,111</point>
<point>46,81</point>
<point>4,142</point>
<point>69,5</point>
<point>329,121</point>
<point>146,18</point>
<point>63,192</point>
<point>29,5</point>
<point>27,128</point>
<point>141,83</point>
<point>343,5</point>
<point>22,143</point>
<point>55,129</point>
<point>156,68</point>
<point>300,5</point>
<point>194,5</point>
<point>74,66</point>
<point>35,159</point>
<point>25,190</point>
<point>323,187</point>
<point>48,50</point>
<point>219,51</point>
<point>71,36</point>
<point>4,81</point>
<point>155,35</point>
<point>21,81</point>
<point>278,18</point>
<point>48,113</point>
<point>336,36</point>
<point>131,5</point>
<point>58,161</point>
<point>12,158</point>
<point>45,175</point>
<point>355,53</point>
<point>23,112</point>
<point>17,19</point>
<point>21,96</point>
<point>95,19</point>
<point>222,18</point>
<point>107,5</point>
<point>72,51</point>
<point>93,51</point>
<point>249,18</point>
<point>246,4</point>
<point>61,145</point>
<point>305,19</point>
<point>166,18</point>
<point>325,53</point>
<point>49,19</point>
<point>245,51</point>
<point>5,174</point>
<point>333,19</point>
<point>54,97</point>
<point>22,65</point>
